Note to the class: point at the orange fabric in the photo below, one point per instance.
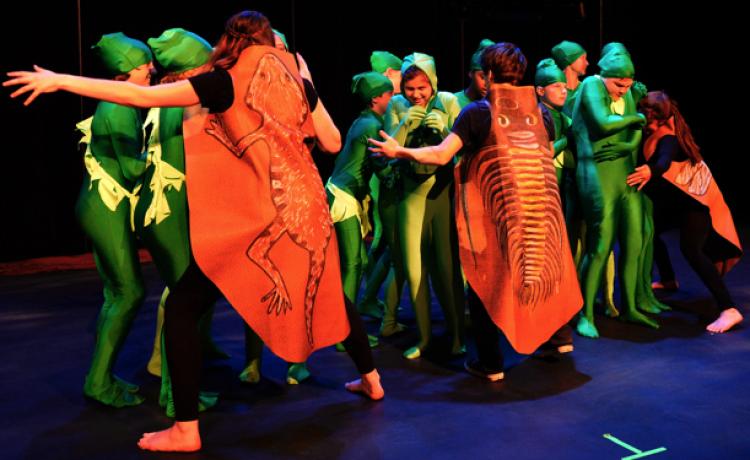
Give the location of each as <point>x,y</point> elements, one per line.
<point>259,222</point>
<point>698,182</point>
<point>512,237</point>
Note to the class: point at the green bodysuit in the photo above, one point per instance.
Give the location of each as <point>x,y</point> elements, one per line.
<point>425,230</point>
<point>114,162</point>
<point>611,209</point>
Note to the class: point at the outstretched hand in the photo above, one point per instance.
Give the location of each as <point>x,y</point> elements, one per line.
<point>37,82</point>
<point>639,177</point>
<point>385,148</point>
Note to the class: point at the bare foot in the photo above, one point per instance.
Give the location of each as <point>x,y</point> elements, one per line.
<point>368,385</point>
<point>180,437</point>
<point>727,320</point>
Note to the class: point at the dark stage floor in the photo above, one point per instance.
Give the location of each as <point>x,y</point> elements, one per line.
<point>678,388</point>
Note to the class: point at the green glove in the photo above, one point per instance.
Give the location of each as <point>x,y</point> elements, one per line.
<point>414,117</point>
<point>434,121</point>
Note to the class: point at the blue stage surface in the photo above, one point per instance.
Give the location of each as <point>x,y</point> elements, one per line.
<point>678,388</point>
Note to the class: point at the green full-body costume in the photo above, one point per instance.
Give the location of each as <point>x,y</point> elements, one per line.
<point>383,255</point>
<point>426,234</point>
<point>348,187</point>
<point>606,132</point>
<point>114,162</point>
<point>564,54</point>
<point>645,298</point>
<point>161,215</point>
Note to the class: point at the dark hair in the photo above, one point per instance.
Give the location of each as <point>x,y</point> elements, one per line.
<point>506,62</point>
<point>661,108</point>
<point>244,29</point>
<point>411,73</point>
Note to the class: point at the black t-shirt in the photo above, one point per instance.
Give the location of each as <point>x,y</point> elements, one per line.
<point>473,125</point>
<point>475,121</point>
<point>216,93</point>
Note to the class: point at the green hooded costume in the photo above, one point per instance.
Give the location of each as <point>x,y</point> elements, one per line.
<point>564,54</point>
<point>348,187</point>
<point>114,161</point>
<point>379,269</point>
<point>160,217</point>
<point>606,133</point>
<point>426,231</point>
<point>474,65</point>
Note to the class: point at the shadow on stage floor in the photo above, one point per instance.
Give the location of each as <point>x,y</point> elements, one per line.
<point>677,387</point>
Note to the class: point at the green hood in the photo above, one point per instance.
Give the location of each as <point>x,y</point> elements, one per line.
<point>547,73</point>
<point>425,63</point>
<point>380,61</point>
<point>178,50</point>
<point>614,47</point>
<point>565,53</point>
<point>616,64</point>
<point>120,54</point>
<point>476,58</point>
<point>367,85</point>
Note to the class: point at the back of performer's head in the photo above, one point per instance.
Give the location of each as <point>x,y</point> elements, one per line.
<point>659,109</point>
<point>246,28</point>
<point>506,62</point>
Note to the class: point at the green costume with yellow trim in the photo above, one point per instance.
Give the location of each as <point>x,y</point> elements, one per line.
<point>114,162</point>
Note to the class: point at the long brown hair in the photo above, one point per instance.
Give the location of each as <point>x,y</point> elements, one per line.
<point>244,29</point>
<point>661,107</point>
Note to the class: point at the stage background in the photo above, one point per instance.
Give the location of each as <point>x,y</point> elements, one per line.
<point>688,49</point>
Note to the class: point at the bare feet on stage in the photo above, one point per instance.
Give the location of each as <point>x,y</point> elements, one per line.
<point>369,385</point>
<point>727,320</point>
<point>180,437</point>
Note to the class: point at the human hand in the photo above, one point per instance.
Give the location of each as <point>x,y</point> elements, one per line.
<point>414,117</point>
<point>37,82</point>
<point>640,120</point>
<point>639,177</point>
<point>385,148</point>
<point>434,121</point>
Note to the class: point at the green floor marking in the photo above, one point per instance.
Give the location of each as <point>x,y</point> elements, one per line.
<point>638,453</point>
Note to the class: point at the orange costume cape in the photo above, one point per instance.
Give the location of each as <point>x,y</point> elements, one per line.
<point>697,181</point>
<point>512,237</point>
<point>260,228</point>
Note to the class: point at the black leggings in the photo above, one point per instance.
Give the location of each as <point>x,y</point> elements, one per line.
<point>187,302</point>
<point>695,226</point>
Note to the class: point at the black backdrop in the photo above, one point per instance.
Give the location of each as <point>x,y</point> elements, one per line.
<point>687,49</point>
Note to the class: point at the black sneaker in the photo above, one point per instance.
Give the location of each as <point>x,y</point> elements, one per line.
<point>548,350</point>
<point>476,369</point>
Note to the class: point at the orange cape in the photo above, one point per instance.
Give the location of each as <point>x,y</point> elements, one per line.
<point>260,228</point>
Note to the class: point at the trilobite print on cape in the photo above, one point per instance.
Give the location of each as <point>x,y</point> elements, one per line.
<point>512,236</point>
<point>284,277</point>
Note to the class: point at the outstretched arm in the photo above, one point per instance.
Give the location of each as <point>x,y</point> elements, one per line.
<point>328,135</point>
<point>178,94</point>
<point>433,155</point>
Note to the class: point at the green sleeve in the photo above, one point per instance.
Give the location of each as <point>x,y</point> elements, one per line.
<point>595,106</point>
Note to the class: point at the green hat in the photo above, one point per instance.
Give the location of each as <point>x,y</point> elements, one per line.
<point>282,37</point>
<point>476,58</point>
<point>614,46</point>
<point>383,60</point>
<point>616,64</point>
<point>120,54</point>
<point>425,63</point>
<point>548,73</point>
<point>367,85</point>
<point>178,50</point>
<point>565,53</point>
